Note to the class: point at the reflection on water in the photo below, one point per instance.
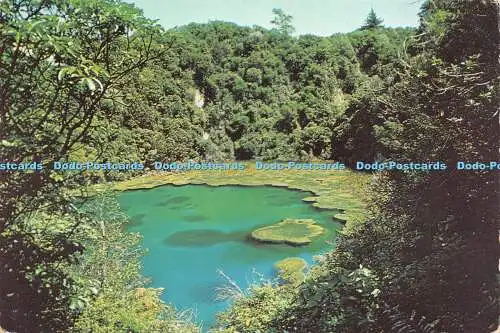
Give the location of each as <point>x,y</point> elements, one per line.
<point>194,218</point>
<point>171,201</point>
<point>203,237</point>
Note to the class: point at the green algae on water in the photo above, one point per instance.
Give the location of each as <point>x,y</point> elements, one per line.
<point>295,232</point>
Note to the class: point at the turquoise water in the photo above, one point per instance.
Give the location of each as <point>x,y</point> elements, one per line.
<point>193,231</point>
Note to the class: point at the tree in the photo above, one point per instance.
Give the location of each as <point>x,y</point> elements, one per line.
<point>282,21</point>
<point>372,21</point>
<point>61,66</point>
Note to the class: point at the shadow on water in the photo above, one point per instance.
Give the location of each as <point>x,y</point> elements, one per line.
<point>194,218</point>
<point>137,220</point>
<point>206,293</point>
<point>203,237</point>
<point>174,200</point>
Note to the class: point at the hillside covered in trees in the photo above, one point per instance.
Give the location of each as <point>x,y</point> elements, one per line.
<point>95,80</point>
<point>218,91</point>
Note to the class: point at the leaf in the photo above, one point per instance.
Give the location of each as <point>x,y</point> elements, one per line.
<point>90,83</point>
<point>61,74</point>
<point>57,177</point>
<point>6,143</point>
<point>64,71</point>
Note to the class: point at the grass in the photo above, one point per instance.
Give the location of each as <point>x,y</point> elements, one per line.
<point>340,190</point>
<point>295,232</point>
<point>291,270</point>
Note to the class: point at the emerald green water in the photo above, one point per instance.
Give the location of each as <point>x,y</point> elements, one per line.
<point>192,231</point>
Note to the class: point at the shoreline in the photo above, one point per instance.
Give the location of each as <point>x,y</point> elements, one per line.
<point>342,190</point>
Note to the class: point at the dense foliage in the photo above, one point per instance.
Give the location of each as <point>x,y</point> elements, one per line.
<point>62,67</point>
<point>427,259</point>
<point>227,92</point>
<point>95,80</point>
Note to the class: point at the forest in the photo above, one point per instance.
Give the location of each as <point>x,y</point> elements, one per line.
<point>95,80</point>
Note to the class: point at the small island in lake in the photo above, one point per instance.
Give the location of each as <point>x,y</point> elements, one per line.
<point>291,270</point>
<point>295,232</point>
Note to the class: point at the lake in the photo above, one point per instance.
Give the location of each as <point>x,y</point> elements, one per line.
<point>193,231</point>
